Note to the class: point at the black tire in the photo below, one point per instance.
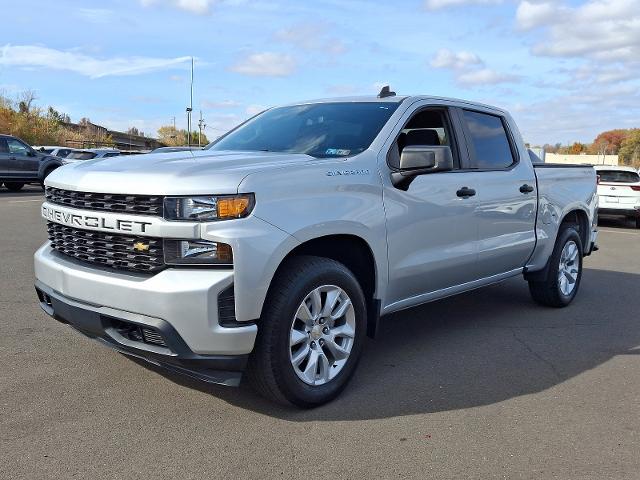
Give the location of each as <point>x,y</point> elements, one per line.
<point>547,292</point>
<point>14,186</point>
<point>270,370</point>
<point>47,172</point>
<point>637,222</point>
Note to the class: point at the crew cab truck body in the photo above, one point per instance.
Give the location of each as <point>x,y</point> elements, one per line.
<point>20,163</point>
<point>277,248</point>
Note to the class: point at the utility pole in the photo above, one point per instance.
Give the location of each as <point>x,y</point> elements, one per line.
<point>190,108</point>
<point>201,125</point>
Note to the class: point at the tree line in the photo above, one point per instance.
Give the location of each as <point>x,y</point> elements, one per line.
<point>622,142</point>
<point>21,117</point>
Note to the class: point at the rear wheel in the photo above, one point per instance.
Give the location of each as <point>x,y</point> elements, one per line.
<point>562,281</point>
<point>14,186</point>
<point>310,334</point>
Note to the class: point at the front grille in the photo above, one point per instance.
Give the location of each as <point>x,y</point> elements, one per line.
<point>106,202</point>
<point>106,249</point>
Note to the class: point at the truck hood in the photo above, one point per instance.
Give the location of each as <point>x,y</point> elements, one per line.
<point>175,173</point>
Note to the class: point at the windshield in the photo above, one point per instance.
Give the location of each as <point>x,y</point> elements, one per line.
<point>81,155</point>
<point>319,130</point>
<point>619,176</point>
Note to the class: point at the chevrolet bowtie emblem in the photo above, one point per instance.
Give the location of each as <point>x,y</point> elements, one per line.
<point>140,247</point>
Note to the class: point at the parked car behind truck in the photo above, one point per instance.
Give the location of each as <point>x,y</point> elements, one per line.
<point>277,248</point>
<point>619,192</point>
<point>21,164</point>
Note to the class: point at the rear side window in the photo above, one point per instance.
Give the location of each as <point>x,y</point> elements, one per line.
<point>81,155</point>
<point>619,176</point>
<point>4,148</point>
<point>489,140</point>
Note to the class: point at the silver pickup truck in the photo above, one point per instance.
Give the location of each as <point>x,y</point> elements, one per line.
<point>276,249</point>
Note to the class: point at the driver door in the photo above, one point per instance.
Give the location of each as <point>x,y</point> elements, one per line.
<point>432,230</point>
<point>23,163</point>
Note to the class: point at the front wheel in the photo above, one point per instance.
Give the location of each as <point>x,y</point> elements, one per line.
<point>561,284</point>
<point>310,334</point>
<point>14,186</point>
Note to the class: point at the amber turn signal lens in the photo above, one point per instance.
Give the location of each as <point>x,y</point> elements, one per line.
<point>233,207</point>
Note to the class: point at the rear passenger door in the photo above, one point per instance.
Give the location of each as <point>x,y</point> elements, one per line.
<point>506,191</point>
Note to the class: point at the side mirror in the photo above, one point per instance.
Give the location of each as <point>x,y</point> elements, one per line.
<point>31,153</point>
<point>419,160</point>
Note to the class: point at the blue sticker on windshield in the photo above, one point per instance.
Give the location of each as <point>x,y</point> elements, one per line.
<point>337,151</point>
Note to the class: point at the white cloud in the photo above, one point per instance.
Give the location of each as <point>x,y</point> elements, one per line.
<point>531,15</point>
<point>469,68</point>
<point>199,7</point>
<point>445,58</point>
<point>43,57</point>
<point>438,4</point>
<point>311,37</point>
<point>485,76</point>
<point>266,64</point>
<point>605,30</point>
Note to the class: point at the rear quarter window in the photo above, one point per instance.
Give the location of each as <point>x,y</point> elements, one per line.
<point>489,140</point>
<point>618,176</point>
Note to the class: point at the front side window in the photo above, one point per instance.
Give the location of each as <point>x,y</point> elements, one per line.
<point>428,127</point>
<point>489,140</point>
<point>320,129</point>
<point>16,147</point>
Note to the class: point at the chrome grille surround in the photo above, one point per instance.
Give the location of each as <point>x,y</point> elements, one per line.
<point>107,202</point>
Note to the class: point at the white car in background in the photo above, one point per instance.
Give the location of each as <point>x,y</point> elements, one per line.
<point>57,151</point>
<point>619,192</point>
<point>91,154</point>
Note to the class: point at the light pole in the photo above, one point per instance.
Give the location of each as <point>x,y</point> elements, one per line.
<point>190,107</point>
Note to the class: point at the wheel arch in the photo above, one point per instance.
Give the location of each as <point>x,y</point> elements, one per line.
<point>352,251</point>
<point>47,167</point>
<point>576,218</point>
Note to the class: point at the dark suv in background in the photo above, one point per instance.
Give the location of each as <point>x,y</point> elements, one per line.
<point>20,164</point>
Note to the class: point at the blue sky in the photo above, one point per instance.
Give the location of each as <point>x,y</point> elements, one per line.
<point>565,69</point>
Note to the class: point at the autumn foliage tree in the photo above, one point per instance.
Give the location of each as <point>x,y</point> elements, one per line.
<point>36,126</point>
<point>608,142</point>
<point>178,137</point>
<point>630,149</point>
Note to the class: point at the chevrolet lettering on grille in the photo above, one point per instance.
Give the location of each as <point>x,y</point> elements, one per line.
<point>93,221</point>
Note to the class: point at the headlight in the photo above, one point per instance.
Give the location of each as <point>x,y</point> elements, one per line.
<point>197,252</point>
<point>208,208</point>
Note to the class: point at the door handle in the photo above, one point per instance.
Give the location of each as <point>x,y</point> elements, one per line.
<point>466,192</point>
<point>526,188</point>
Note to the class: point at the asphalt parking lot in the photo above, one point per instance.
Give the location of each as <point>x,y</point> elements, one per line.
<point>483,385</point>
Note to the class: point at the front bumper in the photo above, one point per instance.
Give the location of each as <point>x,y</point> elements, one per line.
<point>161,345</point>
<point>185,298</point>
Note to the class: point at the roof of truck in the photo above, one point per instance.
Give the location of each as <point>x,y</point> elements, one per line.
<point>394,99</point>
